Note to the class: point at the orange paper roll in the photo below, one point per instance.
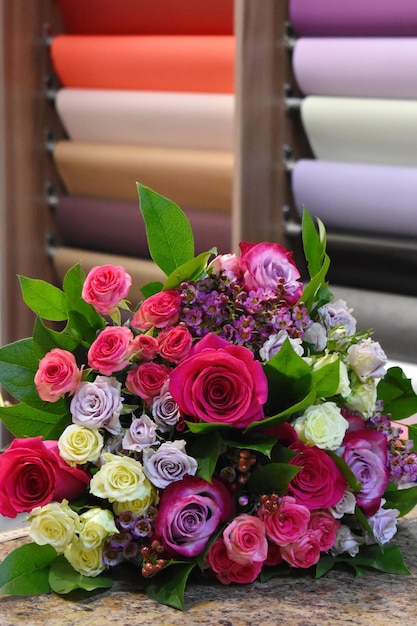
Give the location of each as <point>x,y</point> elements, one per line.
<point>155,63</point>
<point>192,178</point>
<point>142,271</point>
<point>162,17</point>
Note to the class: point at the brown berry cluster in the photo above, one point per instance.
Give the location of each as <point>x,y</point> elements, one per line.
<point>153,558</point>
<point>270,502</point>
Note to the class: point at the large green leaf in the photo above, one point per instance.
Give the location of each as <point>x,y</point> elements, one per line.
<point>412,434</point>
<point>189,271</point>
<point>206,452</point>
<point>281,418</point>
<point>386,558</point>
<point>254,441</point>
<point>397,393</point>
<point>25,421</point>
<point>64,579</point>
<point>44,299</point>
<point>45,339</point>
<point>272,478</point>
<point>170,238</point>
<point>318,262</point>
<point>326,379</point>
<point>18,365</point>
<point>25,570</point>
<point>402,499</point>
<point>168,586</point>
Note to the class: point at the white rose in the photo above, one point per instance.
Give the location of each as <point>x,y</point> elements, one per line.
<point>96,525</point>
<point>141,434</point>
<point>86,561</point>
<point>274,343</point>
<point>53,524</point>
<point>79,445</point>
<point>345,506</point>
<point>346,541</point>
<point>322,425</point>
<point>367,359</point>
<point>363,397</point>
<point>384,524</point>
<point>119,479</point>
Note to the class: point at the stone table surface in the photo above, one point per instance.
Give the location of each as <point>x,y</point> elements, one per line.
<point>338,598</point>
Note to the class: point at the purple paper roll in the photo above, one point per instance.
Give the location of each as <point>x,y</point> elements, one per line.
<point>118,227</point>
<point>353,17</point>
<point>367,198</point>
<point>375,67</point>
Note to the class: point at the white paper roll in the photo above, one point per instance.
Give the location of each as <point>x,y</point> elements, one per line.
<point>361,130</point>
<point>148,118</point>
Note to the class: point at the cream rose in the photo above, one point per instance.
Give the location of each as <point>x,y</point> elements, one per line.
<point>53,524</point>
<point>79,445</point>
<point>363,397</point>
<point>322,425</point>
<point>86,561</point>
<point>138,506</point>
<point>119,479</point>
<point>96,525</point>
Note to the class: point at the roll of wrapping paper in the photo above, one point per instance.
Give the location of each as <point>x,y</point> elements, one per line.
<point>132,17</point>
<point>195,63</point>
<point>142,271</point>
<point>365,198</point>
<point>355,17</point>
<point>201,179</point>
<point>361,130</point>
<point>153,118</point>
<point>118,227</point>
<point>372,67</point>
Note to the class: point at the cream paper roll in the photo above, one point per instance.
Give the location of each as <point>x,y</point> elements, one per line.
<point>361,130</point>
<point>192,178</point>
<point>148,118</point>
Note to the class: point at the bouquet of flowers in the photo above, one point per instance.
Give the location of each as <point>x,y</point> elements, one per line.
<point>235,424</point>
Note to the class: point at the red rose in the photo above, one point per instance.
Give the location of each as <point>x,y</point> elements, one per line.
<point>110,352</point>
<point>175,344</point>
<point>57,375</point>
<point>146,380</point>
<point>160,310</point>
<point>228,571</point>
<point>32,474</point>
<point>144,347</point>
<point>105,286</point>
<point>319,484</point>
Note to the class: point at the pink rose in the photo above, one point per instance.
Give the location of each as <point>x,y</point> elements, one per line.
<point>365,452</point>
<point>302,553</point>
<point>57,375</point>
<point>245,539</point>
<point>325,526</point>
<point>319,484</point>
<point>270,265</point>
<point>110,352</point>
<point>175,343</point>
<point>160,310</point>
<point>228,571</point>
<point>105,286</point>
<point>287,523</point>
<point>189,512</point>
<point>220,383</point>
<point>146,380</point>
<point>244,573</point>
<point>33,474</point>
<point>144,347</point>
<point>227,264</point>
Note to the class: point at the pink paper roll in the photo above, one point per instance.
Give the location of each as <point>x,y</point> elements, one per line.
<point>353,17</point>
<point>357,66</point>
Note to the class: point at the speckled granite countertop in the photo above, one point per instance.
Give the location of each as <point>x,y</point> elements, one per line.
<point>338,599</point>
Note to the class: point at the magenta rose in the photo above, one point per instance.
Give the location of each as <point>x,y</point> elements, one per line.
<point>57,375</point>
<point>325,526</point>
<point>33,474</point>
<point>245,539</point>
<point>270,265</point>
<point>287,523</point>
<point>228,571</point>
<point>319,484</point>
<point>111,350</point>
<point>190,511</point>
<point>146,380</point>
<point>160,310</point>
<point>220,383</point>
<point>105,287</point>
<point>302,553</point>
<point>175,343</point>
<point>365,452</point>
<point>144,347</point>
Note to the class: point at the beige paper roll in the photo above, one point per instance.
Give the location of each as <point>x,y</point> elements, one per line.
<point>362,130</point>
<point>192,178</point>
<point>142,271</point>
<point>148,118</point>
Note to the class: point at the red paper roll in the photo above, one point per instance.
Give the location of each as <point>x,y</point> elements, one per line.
<point>147,17</point>
<point>159,63</point>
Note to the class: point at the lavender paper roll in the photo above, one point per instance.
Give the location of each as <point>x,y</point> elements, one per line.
<point>118,227</point>
<point>353,17</point>
<point>374,67</point>
<point>366,198</point>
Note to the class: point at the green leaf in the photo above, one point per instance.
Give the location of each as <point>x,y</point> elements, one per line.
<point>314,247</point>
<point>168,586</point>
<point>412,434</point>
<point>63,578</point>
<point>170,238</point>
<point>386,558</point>
<point>397,393</point>
<point>272,478</point>
<point>349,476</point>
<point>281,418</point>
<point>18,365</point>
<point>258,442</point>
<point>189,271</point>
<point>25,421</point>
<point>207,427</point>
<point>151,289</point>
<point>25,570</point>
<point>326,379</point>
<point>44,299</point>
<point>45,339</point>
<point>276,571</point>
<point>402,499</point>
<point>206,452</point>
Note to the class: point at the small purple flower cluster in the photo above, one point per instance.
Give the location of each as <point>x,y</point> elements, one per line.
<point>134,533</point>
<point>221,305</point>
<point>402,461</point>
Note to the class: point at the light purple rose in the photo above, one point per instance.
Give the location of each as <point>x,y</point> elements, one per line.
<point>274,344</point>
<point>141,434</point>
<point>315,335</point>
<point>365,452</point>
<point>336,315</point>
<point>367,359</point>
<point>165,410</point>
<point>189,512</point>
<point>168,463</point>
<point>384,524</point>
<point>98,404</point>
